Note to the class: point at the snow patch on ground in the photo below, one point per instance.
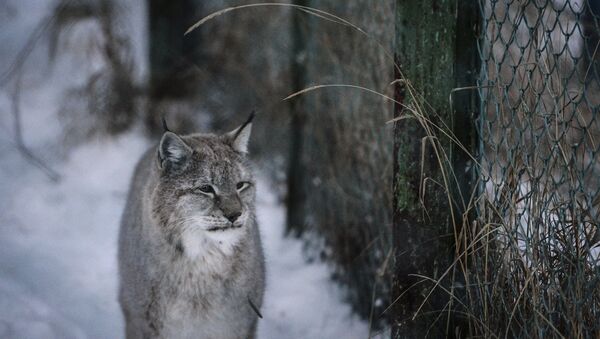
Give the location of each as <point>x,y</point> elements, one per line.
<point>301,301</point>
<point>58,240</point>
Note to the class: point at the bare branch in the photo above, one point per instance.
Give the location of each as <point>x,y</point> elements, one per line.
<point>20,143</point>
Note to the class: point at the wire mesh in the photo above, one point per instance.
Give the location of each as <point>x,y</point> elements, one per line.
<point>539,174</point>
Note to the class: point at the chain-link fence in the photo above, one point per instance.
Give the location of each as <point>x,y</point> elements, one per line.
<point>539,147</point>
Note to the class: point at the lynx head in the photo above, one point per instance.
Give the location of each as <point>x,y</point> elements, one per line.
<point>205,192</point>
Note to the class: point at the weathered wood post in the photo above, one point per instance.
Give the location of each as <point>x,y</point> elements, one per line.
<point>296,195</point>
<point>436,52</point>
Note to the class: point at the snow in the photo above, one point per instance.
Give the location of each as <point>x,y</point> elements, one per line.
<point>301,301</point>
<point>58,275</point>
<point>58,242</point>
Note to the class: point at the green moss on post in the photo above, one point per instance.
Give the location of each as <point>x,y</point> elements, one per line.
<point>431,43</point>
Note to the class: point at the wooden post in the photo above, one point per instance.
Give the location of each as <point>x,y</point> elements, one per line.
<point>296,194</point>
<point>435,49</point>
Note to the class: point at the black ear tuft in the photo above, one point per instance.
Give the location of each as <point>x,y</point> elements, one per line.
<point>240,137</point>
<point>173,153</point>
<point>248,122</point>
<point>164,124</point>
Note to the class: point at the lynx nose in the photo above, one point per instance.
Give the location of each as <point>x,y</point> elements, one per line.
<point>233,216</point>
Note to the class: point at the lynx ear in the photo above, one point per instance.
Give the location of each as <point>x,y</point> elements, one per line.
<point>173,152</point>
<point>239,137</point>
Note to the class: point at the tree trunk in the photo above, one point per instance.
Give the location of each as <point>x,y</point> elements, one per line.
<point>172,55</point>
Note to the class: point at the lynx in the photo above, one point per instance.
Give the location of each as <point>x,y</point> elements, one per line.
<point>190,258</point>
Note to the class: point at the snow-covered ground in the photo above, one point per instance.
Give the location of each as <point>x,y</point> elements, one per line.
<point>58,275</point>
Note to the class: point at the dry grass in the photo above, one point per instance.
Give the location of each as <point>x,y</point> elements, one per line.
<point>530,258</point>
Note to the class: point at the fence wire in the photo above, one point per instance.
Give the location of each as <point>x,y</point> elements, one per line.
<point>540,172</point>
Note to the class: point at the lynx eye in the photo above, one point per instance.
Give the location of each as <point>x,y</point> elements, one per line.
<point>242,185</point>
<point>208,189</point>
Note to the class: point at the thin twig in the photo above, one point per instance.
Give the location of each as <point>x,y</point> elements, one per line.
<point>16,66</point>
<point>20,143</point>
<point>254,308</point>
